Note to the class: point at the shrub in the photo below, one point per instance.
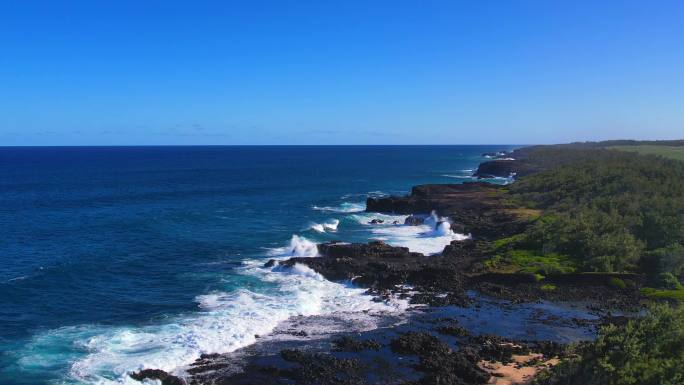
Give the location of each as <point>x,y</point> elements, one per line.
<point>617,283</point>
<point>548,287</point>
<point>646,351</point>
<point>668,281</point>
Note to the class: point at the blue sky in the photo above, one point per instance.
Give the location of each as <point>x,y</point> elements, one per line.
<point>339,72</point>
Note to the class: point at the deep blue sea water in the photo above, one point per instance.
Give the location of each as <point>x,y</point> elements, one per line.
<point>118,258</point>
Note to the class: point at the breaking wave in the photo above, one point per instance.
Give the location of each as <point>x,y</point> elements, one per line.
<point>429,238</point>
<point>346,207</point>
<point>330,225</point>
<point>226,321</point>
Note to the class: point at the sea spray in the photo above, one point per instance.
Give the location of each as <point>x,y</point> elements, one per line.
<point>226,321</point>
<point>330,225</point>
<point>429,238</point>
<point>302,247</point>
<point>346,207</point>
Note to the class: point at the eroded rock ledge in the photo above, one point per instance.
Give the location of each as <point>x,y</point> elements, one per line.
<point>481,209</point>
<point>385,269</point>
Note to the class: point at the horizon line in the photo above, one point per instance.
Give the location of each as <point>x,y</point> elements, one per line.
<point>266,145</point>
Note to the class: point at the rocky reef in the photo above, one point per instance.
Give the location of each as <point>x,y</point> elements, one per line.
<point>386,270</point>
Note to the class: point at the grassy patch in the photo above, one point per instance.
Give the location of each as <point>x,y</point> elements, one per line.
<point>548,287</point>
<point>526,261</point>
<point>524,213</point>
<point>617,283</point>
<point>676,294</point>
<point>510,241</point>
<point>670,152</point>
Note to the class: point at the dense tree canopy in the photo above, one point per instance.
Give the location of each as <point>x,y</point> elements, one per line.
<point>608,210</point>
<point>647,351</point>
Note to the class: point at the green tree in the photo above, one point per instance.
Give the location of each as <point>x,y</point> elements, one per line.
<point>646,351</point>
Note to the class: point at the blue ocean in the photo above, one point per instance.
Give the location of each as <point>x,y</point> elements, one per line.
<point>114,259</point>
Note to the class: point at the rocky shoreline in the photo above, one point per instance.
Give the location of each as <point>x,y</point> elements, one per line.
<point>434,345</point>
<point>440,351</point>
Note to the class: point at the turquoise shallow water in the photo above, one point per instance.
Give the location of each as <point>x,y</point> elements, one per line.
<point>117,258</point>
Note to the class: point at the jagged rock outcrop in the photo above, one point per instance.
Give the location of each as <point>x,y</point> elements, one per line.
<point>498,168</point>
<point>478,208</point>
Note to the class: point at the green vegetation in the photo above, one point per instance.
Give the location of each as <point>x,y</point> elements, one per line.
<point>668,294</point>
<point>548,287</point>
<point>526,261</point>
<point>647,351</point>
<point>602,211</point>
<point>671,152</point>
<point>617,283</point>
<point>509,259</point>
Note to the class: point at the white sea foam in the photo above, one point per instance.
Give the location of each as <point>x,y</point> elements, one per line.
<point>346,207</point>
<point>226,321</point>
<point>502,180</point>
<point>366,218</point>
<point>428,238</point>
<point>317,227</point>
<point>330,225</point>
<point>297,247</point>
<point>461,174</point>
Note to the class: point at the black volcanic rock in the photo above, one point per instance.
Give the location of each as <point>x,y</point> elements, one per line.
<point>414,220</point>
<point>372,264</point>
<point>349,344</point>
<point>385,269</point>
<point>477,208</point>
<point>439,362</point>
<point>157,374</point>
<point>270,263</point>
<point>371,250</point>
<point>418,344</point>
<point>497,168</point>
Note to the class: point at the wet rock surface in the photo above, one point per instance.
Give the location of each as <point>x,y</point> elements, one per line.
<point>385,269</point>
<point>157,374</point>
<point>350,344</point>
<point>411,353</point>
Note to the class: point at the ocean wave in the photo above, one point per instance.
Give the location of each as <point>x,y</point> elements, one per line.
<point>458,176</point>
<point>501,179</point>
<point>346,207</point>
<point>297,247</point>
<point>226,321</point>
<point>371,194</point>
<point>429,238</point>
<point>330,225</point>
